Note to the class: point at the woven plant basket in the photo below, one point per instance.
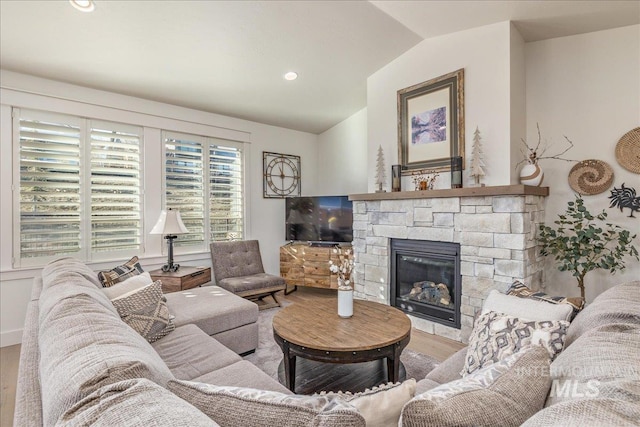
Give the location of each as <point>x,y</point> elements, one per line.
<point>591,177</point>
<point>628,151</point>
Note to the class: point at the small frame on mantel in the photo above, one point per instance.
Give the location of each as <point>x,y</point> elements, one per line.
<point>431,124</point>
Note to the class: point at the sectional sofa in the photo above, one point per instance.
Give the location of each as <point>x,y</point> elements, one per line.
<point>594,381</point>
<point>80,364</point>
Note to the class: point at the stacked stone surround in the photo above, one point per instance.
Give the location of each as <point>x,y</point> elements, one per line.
<point>496,236</point>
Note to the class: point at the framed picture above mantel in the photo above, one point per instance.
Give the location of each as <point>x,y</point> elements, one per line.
<point>431,124</point>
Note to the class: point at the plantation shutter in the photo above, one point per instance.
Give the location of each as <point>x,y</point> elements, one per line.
<point>184,185</point>
<point>50,190</point>
<point>225,193</point>
<point>80,188</point>
<point>116,184</point>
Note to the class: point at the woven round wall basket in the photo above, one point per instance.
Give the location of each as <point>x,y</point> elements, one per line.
<point>591,177</point>
<point>628,151</point>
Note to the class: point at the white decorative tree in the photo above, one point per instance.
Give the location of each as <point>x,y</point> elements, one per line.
<point>381,175</point>
<point>477,163</point>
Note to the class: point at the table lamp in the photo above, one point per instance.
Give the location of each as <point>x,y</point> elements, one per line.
<point>170,225</point>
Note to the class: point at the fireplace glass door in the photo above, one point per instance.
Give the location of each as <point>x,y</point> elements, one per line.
<point>426,280</point>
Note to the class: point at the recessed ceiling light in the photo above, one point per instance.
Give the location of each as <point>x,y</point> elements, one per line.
<point>83,5</point>
<point>291,75</point>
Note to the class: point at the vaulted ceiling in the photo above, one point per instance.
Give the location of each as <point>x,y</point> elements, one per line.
<point>229,57</point>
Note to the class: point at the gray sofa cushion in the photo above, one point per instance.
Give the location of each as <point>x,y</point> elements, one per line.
<point>134,403</point>
<point>247,407</point>
<point>449,370</point>
<point>242,374</point>
<point>77,359</point>
<point>425,385</point>
<point>36,288</point>
<point>587,412</point>
<point>253,282</point>
<point>190,353</point>
<point>241,339</point>
<point>66,278</point>
<point>64,267</point>
<point>503,394</point>
<point>604,363</point>
<point>194,307</point>
<point>620,304</point>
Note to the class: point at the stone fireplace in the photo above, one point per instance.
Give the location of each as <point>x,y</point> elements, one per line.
<point>494,227</point>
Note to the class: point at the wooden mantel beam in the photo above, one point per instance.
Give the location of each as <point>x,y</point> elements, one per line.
<point>500,190</point>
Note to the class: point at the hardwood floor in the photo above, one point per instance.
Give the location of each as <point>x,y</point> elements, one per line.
<point>437,347</point>
<point>9,358</point>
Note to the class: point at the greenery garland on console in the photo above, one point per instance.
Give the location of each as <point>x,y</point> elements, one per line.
<point>582,243</point>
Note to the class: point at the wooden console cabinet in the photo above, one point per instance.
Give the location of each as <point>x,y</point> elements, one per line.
<point>304,265</point>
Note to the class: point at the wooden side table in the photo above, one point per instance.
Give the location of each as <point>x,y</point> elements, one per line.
<point>185,278</point>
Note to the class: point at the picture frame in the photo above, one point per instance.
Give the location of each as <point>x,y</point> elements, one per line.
<point>431,124</point>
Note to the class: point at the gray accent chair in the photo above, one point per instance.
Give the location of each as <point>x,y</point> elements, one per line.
<point>237,267</point>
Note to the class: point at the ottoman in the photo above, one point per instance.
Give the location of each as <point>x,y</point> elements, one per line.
<point>228,318</point>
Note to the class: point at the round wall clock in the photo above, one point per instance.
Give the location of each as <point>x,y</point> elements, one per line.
<point>281,175</point>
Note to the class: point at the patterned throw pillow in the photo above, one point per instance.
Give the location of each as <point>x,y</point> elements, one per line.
<point>506,393</point>
<point>241,407</point>
<point>146,311</point>
<point>496,336</point>
<point>380,406</point>
<point>120,273</point>
<point>521,290</point>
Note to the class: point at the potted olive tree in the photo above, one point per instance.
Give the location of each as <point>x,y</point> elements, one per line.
<point>581,242</point>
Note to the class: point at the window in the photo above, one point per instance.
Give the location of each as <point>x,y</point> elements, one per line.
<point>80,186</point>
<point>204,181</point>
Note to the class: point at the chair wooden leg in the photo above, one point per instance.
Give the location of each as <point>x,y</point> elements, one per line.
<point>273,295</point>
<point>287,291</point>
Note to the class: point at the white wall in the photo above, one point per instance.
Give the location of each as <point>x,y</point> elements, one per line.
<point>266,216</point>
<point>342,159</point>
<point>586,87</point>
<point>518,111</point>
<point>484,53</point>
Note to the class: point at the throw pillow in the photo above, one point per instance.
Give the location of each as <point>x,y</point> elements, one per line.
<point>525,308</point>
<point>504,394</point>
<point>145,311</point>
<point>246,407</point>
<point>381,406</point>
<point>520,290</point>
<point>496,336</point>
<point>120,273</point>
<point>133,283</point>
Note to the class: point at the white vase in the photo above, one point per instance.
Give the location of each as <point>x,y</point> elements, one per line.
<point>345,303</point>
<point>531,175</point>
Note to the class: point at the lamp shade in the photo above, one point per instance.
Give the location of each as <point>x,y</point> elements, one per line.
<point>169,223</point>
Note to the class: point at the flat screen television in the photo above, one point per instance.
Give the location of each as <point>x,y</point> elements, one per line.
<point>320,219</point>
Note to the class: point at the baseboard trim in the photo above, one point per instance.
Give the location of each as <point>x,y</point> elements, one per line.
<point>10,338</point>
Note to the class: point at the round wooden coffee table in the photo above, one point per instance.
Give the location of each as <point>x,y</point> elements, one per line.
<point>313,330</point>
